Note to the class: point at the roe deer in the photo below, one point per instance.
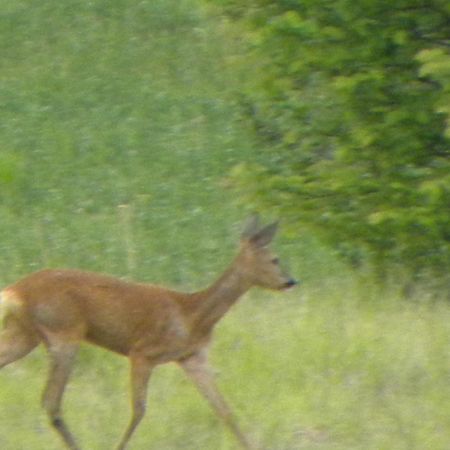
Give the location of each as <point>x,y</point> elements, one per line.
<point>149,324</point>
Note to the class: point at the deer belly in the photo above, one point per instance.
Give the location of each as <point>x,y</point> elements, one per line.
<point>128,336</point>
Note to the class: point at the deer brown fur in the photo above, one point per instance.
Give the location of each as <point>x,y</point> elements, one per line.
<point>149,324</point>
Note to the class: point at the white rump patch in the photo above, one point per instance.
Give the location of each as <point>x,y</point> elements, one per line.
<point>9,302</point>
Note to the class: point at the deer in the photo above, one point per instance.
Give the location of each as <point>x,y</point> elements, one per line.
<point>147,323</point>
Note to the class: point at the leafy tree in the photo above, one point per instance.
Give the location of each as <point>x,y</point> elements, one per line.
<point>351,100</point>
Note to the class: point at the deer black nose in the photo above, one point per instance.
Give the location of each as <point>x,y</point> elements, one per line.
<point>291,283</point>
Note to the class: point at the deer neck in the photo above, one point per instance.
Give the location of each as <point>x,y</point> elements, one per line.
<point>215,301</point>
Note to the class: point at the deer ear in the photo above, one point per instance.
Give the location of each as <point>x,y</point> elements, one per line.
<point>251,227</point>
<point>265,236</point>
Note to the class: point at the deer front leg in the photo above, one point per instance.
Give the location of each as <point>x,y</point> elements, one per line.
<point>141,370</point>
<point>62,356</point>
<point>198,370</point>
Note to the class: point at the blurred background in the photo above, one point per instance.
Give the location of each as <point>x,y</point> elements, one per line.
<point>135,139</point>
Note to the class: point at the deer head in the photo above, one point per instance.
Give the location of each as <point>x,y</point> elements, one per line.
<point>259,264</point>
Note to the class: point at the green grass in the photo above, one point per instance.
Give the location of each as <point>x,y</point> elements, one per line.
<point>311,370</point>
<point>112,103</point>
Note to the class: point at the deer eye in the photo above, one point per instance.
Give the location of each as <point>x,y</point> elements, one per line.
<point>275,261</point>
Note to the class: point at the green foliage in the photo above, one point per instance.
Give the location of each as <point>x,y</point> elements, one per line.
<point>350,101</point>
<point>436,66</point>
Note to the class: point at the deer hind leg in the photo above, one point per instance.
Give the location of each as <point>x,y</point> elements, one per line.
<point>62,355</point>
<point>15,342</point>
<point>141,369</point>
<point>197,369</point>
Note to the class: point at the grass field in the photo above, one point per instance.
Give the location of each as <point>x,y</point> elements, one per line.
<point>117,130</point>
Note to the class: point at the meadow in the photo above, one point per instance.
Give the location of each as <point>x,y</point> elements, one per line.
<point>118,128</point>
